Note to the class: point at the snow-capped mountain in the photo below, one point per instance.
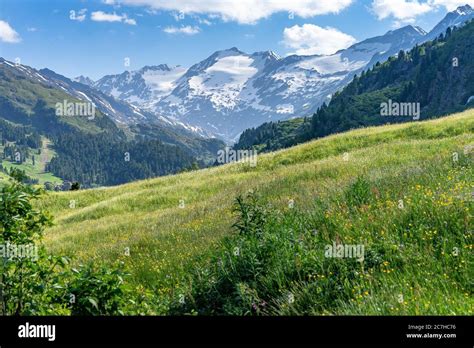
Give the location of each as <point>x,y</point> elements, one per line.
<point>217,93</point>
<point>84,80</point>
<point>453,19</point>
<point>298,85</point>
<point>144,86</point>
<point>231,90</point>
<point>117,110</point>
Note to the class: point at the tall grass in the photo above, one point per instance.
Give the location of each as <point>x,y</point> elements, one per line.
<point>417,252</point>
<point>344,188</point>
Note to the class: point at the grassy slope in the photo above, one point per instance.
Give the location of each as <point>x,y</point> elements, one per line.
<point>164,239</point>
<point>36,171</point>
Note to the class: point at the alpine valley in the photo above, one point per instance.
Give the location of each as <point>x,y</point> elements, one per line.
<point>164,119</point>
<point>247,184</point>
<point>51,149</point>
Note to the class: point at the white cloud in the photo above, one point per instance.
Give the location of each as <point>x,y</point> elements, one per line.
<point>130,21</point>
<point>78,16</point>
<point>100,16</point>
<point>404,11</point>
<point>179,16</point>
<point>187,30</point>
<point>310,39</point>
<point>8,34</point>
<point>245,11</point>
<point>451,5</point>
<point>204,21</point>
<point>32,29</point>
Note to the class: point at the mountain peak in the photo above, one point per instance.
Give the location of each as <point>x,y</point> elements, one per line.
<point>229,51</point>
<point>84,80</point>
<point>409,29</point>
<point>234,49</point>
<point>455,18</point>
<point>267,54</point>
<point>47,71</point>
<point>464,10</point>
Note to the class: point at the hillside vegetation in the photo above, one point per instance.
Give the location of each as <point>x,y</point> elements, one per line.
<point>403,191</point>
<point>33,161</point>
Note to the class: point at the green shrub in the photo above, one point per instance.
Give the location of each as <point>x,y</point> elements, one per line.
<point>32,282</point>
<point>96,291</point>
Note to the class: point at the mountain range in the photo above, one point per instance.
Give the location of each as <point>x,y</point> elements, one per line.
<point>429,81</point>
<point>231,91</point>
<point>89,149</point>
<point>172,118</point>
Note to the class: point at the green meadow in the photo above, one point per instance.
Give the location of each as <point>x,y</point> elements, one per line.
<point>404,192</point>
<point>36,170</point>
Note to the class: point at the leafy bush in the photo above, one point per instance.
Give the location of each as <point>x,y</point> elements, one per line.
<point>32,282</point>
<point>260,269</point>
<point>96,292</point>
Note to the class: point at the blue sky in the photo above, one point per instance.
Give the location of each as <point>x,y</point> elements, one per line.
<point>99,35</point>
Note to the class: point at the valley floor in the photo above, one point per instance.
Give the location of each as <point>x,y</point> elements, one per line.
<point>37,170</point>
